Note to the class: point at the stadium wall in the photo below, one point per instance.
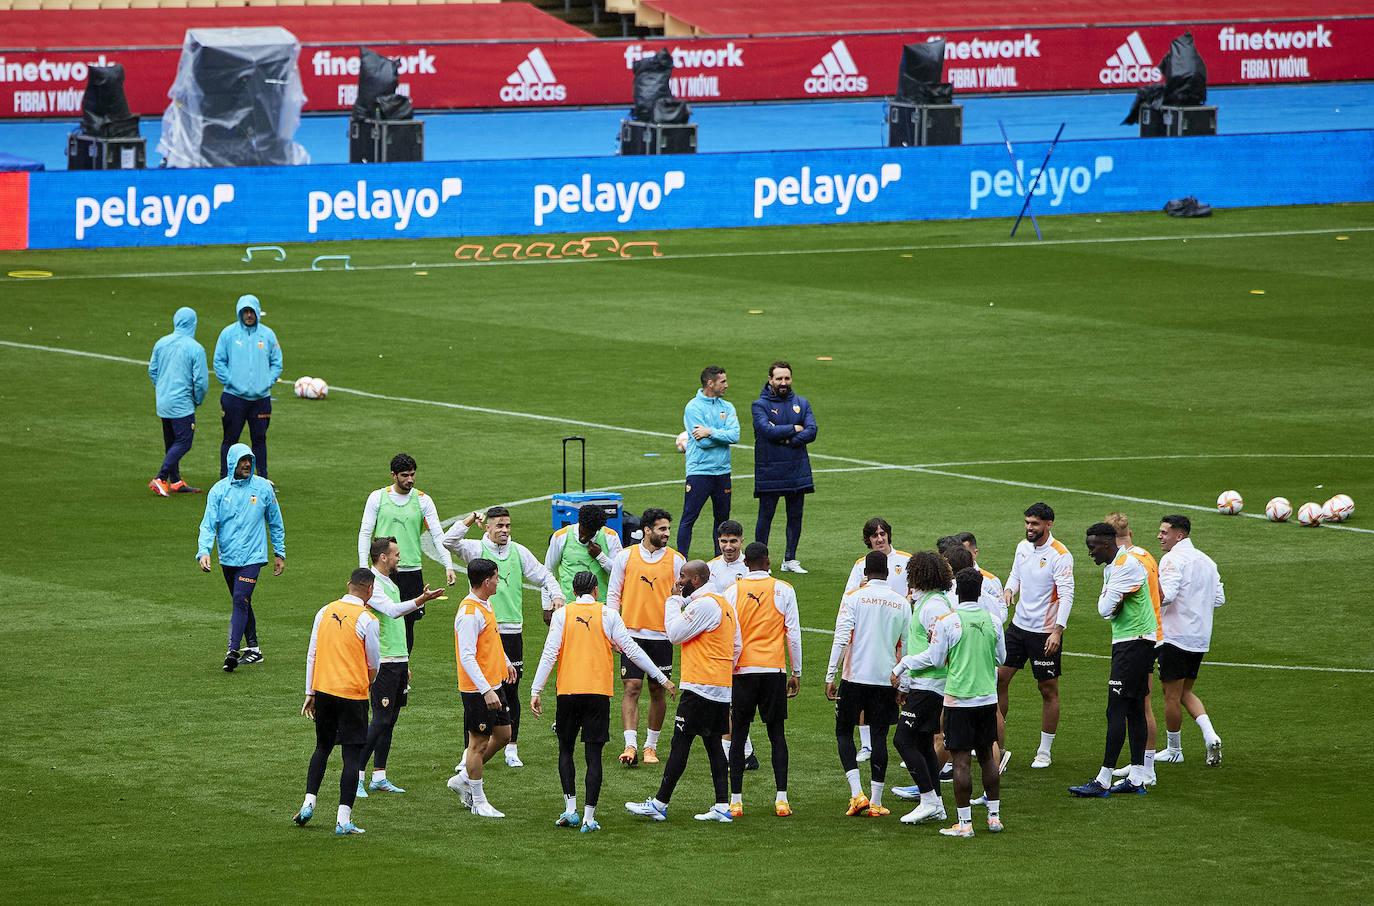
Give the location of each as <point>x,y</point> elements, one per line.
<point>47,83</point>
<point>593,196</point>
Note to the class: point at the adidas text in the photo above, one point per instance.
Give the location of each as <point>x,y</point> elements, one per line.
<point>829,84</point>
<point>116,211</point>
<point>362,203</point>
<point>534,92</point>
<point>839,189</point>
<point>606,197</point>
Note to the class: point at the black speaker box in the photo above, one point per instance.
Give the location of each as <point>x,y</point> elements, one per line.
<point>657,138</point>
<point>909,125</point>
<point>385,141</point>
<point>89,152</point>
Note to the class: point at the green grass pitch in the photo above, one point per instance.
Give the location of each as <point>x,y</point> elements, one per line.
<point>1130,362</point>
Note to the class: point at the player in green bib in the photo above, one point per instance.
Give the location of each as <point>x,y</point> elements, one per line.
<point>970,645</point>
<point>403,512</point>
<point>929,578</point>
<point>388,691</point>
<point>1125,603</point>
<point>587,545</point>
<point>514,564</point>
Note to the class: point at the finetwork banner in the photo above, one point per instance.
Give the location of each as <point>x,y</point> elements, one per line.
<point>553,73</point>
<point>603,194</point>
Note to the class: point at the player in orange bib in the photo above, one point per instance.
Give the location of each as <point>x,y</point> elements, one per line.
<point>708,631</point>
<point>482,668</point>
<point>582,635</point>
<point>340,666</point>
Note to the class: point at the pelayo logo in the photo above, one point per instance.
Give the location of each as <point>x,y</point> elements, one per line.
<point>365,203</point>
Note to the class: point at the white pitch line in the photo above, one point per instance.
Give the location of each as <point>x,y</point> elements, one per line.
<point>762,253</point>
<point>926,470</point>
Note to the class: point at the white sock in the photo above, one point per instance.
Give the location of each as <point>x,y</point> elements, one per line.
<point>651,742</point>
<point>659,804</point>
<point>748,746</point>
<point>588,814</point>
<point>511,750</point>
<point>966,815</point>
<point>853,778</point>
<point>1046,740</point>
<point>1175,739</point>
<point>361,776</point>
<point>875,793</point>
<point>737,799</point>
<point>1149,762</point>
<point>310,799</point>
<point>463,775</point>
<point>865,738</point>
<point>378,775</point>
<point>782,796</point>
<point>570,803</point>
<point>478,797</point>
<point>1209,735</point>
<point>1104,776</point>
<point>930,798</point>
<point>632,738</point>
<point>345,814</point>
<point>1137,774</point>
<point>994,807</point>
<point>725,744</point>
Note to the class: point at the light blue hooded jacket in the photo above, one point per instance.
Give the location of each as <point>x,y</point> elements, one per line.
<point>711,455</point>
<point>247,359</point>
<point>239,512</point>
<point>177,368</point>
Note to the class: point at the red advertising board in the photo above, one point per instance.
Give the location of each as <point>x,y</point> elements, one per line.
<point>564,73</point>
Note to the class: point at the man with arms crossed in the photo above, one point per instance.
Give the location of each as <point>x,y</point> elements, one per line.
<point>709,635</point>
<point>1125,603</point>
<point>401,511</point>
<point>769,625</point>
<point>1190,590</point>
<point>581,637</point>
<point>340,665</point>
<point>971,644</point>
<point>642,577</point>
<point>482,667</point>
<point>870,626</point>
<point>1042,576</point>
<point>514,564</point>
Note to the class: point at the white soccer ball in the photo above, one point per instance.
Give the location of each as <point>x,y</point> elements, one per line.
<point>1230,503</point>
<point>302,387</point>
<point>1343,507</point>
<point>1310,514</point>
<point>1328,513</point>
<point>318,389</point>
<point>1278,509</point>
<point>682,442</point>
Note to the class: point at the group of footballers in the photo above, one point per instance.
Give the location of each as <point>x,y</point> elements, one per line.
<point>918,643</point>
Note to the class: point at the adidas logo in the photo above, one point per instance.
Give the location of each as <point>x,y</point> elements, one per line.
<point>836,73</point>
<point>533,80</point>
<point>1130,65</point>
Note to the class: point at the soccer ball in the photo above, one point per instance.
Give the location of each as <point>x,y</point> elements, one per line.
<point>682,442</point>
<point>1278,509</point>
<point>318,389</point>
<point>1342,506</point>
<point>1310,514</point>
<point>302,387</point>
<point>1328,513</point>
<point>1230,503</point>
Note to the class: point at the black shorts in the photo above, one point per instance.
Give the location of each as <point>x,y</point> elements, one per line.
<point>389,688</point>
<point>1177,663</point>
<point>513,643</point>
<point>764,692</point>
<point>921,712</point>
<point>340,721</point>
<point>967,729</point>
<point>700,716</point>
<point>878,705</point>
<point>660,651</point>
<point>1023,645</point>
<point>478,718</point>
<point>1132,663</point>
<point>410,582</point>
<point>586,713</point>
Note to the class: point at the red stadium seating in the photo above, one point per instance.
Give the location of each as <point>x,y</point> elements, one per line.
<point>769,17</point>
<point>104,29</point>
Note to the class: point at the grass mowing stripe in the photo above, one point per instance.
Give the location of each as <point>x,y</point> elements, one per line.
<point>688,256</point>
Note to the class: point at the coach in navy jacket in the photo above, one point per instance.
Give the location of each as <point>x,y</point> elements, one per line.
<point>783,427</point>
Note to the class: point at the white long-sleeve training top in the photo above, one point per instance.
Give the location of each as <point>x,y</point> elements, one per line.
<point>468,550</point>
<point>1043,578</point>
<point>1191,589</point>
<point>701,614</point>
<point>871,625</point>
<point>427,510</point>
<point>616,582</point>
<point>366,627</point>
<point>785,600</point>
<point>613,627</point>
<point>945,633</point>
